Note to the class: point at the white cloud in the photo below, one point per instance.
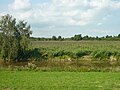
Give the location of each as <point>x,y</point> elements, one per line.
<point>73,15</point>
<point>79,12</point>
<point>2,13</point>
<point>20,5</point>
<point>21,9</point>
<point>115,5</point>
<point>63,12</point>
<point>99,24</point>
<point>51,27</point>
<point>100,31</point>
<point>99,4</point>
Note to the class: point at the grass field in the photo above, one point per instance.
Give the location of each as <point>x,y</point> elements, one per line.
<point>31,80</point>
<point>78,45</point>
<point>105,50</point>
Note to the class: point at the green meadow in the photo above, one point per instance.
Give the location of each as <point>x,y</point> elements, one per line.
<point>31,80</point>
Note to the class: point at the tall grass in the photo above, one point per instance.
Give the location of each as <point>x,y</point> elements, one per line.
<point>74,49</point>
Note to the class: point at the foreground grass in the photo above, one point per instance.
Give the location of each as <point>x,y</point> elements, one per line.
<point>30,80</point>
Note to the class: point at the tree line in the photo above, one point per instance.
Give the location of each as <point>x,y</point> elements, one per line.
<point>77,37</point>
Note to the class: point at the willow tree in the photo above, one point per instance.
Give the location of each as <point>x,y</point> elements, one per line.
<point>15,38</point>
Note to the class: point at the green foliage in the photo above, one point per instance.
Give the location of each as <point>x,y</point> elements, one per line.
<point>15,38</point>
<point>60,53</point>
<point>36,54</point>
<point>60,38</point>
<point>105,54</point>
<point>77,37</point>
<point>1,42</point>
<point>118,35</point>
<point>54,38</point>
<point>102,50</point>
<point>81,53</point>
<point>118,56</point>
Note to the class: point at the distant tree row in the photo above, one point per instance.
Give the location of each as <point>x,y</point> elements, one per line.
<point>77,37</point>
<point>53,38</point>
<point>107,37</point>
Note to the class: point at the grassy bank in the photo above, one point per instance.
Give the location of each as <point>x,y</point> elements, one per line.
<point>67,66</point>
<point>24,80</point>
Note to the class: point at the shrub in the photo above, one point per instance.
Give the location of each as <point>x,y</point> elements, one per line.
<point>102,54</point>
<point>81,53</point>
<point>62,53</point>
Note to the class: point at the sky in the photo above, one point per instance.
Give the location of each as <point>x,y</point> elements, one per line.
<point>66,17</point>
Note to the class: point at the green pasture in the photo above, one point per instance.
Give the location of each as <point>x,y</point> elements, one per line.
<point>31,80</point>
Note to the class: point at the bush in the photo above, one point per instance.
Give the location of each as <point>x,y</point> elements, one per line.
<point>62,53</point>
<point>102,54</point>
<point>81,53</point>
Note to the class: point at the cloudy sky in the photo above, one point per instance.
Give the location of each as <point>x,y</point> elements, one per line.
<point>66,17</point>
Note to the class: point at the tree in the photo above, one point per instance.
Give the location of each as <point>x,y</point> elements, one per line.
<point>118,35</point>
<point>60,38</point>
<point>15,38</point>
<point>86,37</point>
<point>54,38</point>
<point>108,36</point>
<point>78,37</point>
